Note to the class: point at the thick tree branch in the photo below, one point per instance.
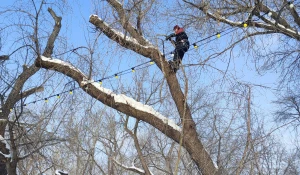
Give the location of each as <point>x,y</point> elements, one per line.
<point>50,44</point>
<point>125,41</point>
<point>120,102</point>
<point>4,57</point>
<point>293,13</point>
<point>275,16</point>
<point>130,43</point>
<point>29,92</point>
<point>14,96</point>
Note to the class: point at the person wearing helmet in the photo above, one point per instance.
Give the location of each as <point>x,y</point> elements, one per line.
<point>181,46</point>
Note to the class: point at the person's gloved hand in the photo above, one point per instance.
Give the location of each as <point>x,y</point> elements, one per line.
<point>169,36</point>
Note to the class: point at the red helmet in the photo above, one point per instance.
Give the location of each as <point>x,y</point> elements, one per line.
<point>176,27</point>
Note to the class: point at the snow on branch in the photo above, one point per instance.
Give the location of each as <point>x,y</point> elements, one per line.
<point>148,50</point>
<point>118,101</point>
<point>126,37</point>
<point>268,25</point>
<point>60,62</point>
<point>113,33</point>
<point>123,99</point>
<point>131,168</point>
<point>61,172</point>
<point>2,140</point>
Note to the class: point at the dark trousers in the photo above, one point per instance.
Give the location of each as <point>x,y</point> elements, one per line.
<point>180,50</point>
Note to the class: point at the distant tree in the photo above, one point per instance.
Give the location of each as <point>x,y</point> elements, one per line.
<point>288,107</point>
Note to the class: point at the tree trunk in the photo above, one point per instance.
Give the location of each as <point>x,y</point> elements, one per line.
<point>2,167</point>
<point>11,168</point>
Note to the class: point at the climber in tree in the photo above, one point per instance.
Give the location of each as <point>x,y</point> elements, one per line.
<point>181,46</point>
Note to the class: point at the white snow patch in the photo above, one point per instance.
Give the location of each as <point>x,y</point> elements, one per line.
<point>119,2</point>
<point>99,19</point>
<point>293,31</point>
<point>61,62</point>
<point>281,26</point>
<point>6,146</point>
<point>215,164</point>
<point>128,38</point>
<point>272,21</point>
<point>121,98</point>
<point>229,21</point>
<point>136,168</point>
<point>94,15</point>
<point>132,167</point>
<point>61,172</point>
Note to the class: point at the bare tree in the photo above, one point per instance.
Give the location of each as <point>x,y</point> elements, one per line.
<point>13,91</point>
<point>288,107</point>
